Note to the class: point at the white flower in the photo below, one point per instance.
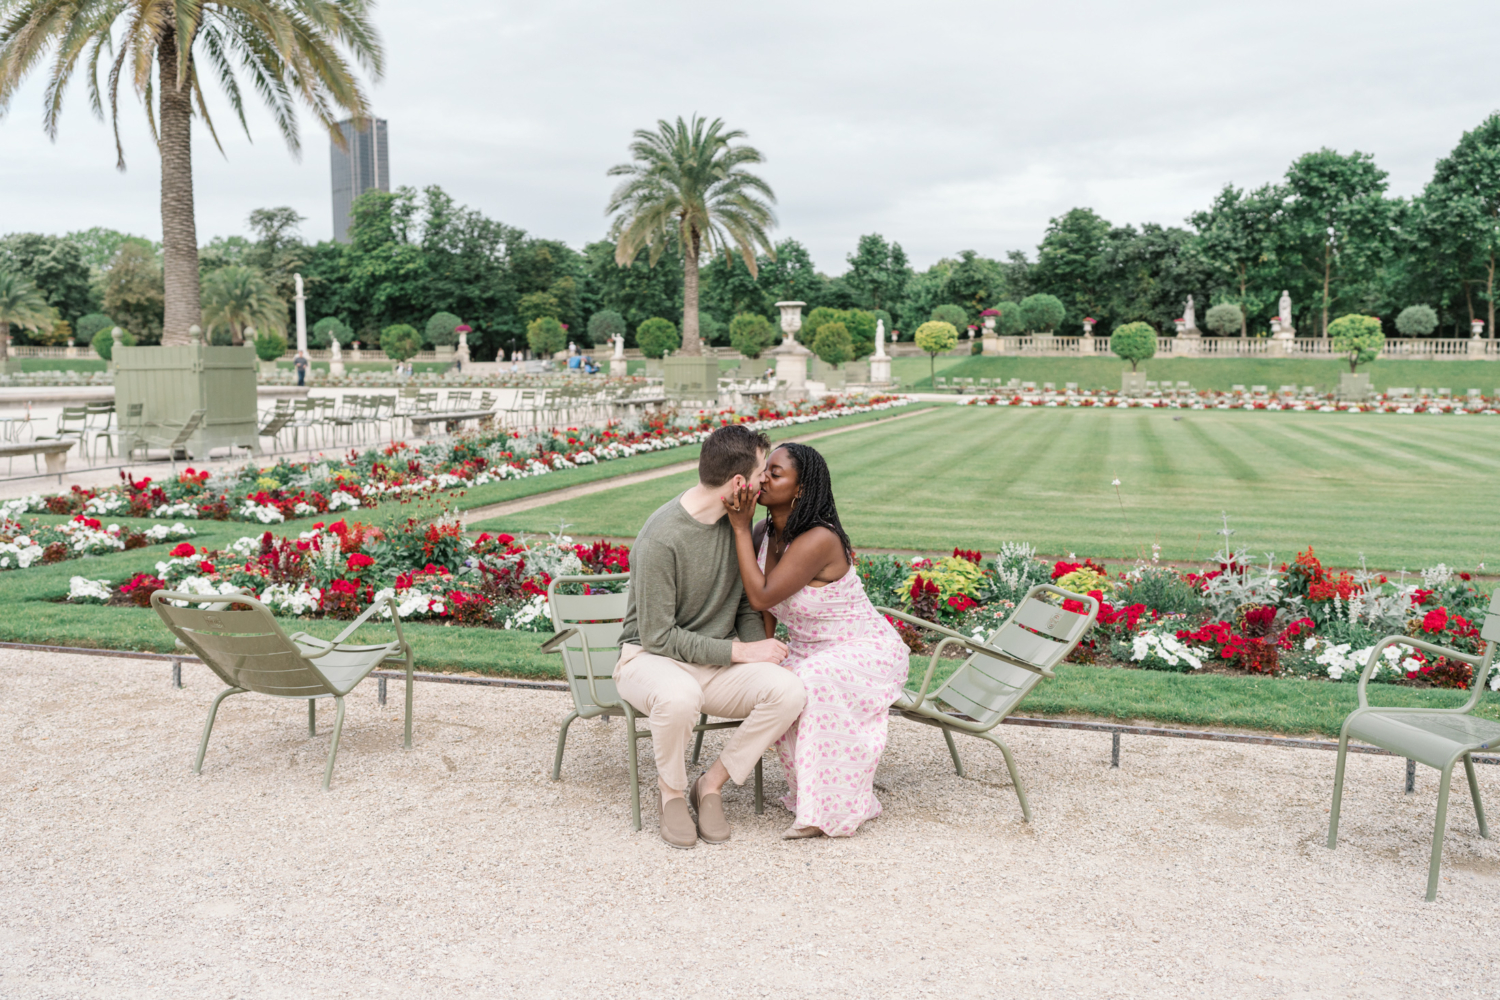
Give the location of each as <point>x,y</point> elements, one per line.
<point>341,500</point>
<point>175,510</point>
<point>85,591</point>
<point>1115,483</point>
<point>285,598</point>
<point>162,533</point>
<point>245,547</point>
<point>264,513</point>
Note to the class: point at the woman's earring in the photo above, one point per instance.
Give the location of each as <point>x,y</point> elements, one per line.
<point>795,499</point>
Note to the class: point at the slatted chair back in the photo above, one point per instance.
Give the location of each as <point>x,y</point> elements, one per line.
<point>247,649</point>
<point>458,399</point>
<point>1036,637</point>
<point>588,630</point>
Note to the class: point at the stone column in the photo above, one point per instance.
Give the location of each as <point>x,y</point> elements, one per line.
<point>880,364</point>
<point>301,315</point>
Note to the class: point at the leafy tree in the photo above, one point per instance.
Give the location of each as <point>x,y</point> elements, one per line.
<point>328,329</point>
<point>400,341</point>
<point>790,276</point>
<point>442,329</point>
<point>99,245</point>
<point>1135,342</point>
<point>878,272</point>
<point>976,283</point>
<point>237,297</point>
<point>289,51</point>
<point>605,325</point>
<point>90,325</point>
<point>1042,312</point>
<point>20,305</point>
<point>1009,322</point>
<point>813,322</point>
<point>545,336</point>
<point>711,330</point>
<point>1466,187</point>
<point>657,336</point>
<point>223,251</point>
<point>833,344</point>
<point>1226,319</point>
<point>1358,338</point>
<point>924,293</point>
<point>1069,262</point>
<point>935,337</point>
<point>278,250</point>
<point>1150,273</point>
<point>1236,236</point>
<point>103,342</point>
<point>953,315</point>
<point>727,287</point>
<point>57,268</point>
<point>688,185</point>
<point>1416,321</point>
<point>1335,219</point>
<point>132,292</point>
<point>637,292</point>
<point>269,345</point>
<point>751,334</point>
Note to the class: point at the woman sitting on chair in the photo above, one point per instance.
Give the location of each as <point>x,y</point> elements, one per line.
<point>798,569</point>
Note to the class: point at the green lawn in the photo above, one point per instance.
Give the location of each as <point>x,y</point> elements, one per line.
<point>1406,491</point>
<point>91,363</point>
<point>1214,373</point>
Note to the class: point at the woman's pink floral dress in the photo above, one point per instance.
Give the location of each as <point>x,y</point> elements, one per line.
<point>853,666</point>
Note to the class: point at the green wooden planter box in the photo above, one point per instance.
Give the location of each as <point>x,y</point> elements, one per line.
<point>691,376</point>
<point>831,377</point>
<point>172,382</point>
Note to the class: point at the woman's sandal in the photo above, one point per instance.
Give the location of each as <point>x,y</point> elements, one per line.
<point>795,832</point>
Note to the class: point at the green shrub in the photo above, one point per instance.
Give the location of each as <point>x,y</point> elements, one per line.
<point>1160,589</point>
<point>1414,321</point>
<point>440,329</point>
<point>400,341</point>
<point>1042,312</point>
<point>711,331</point>
<point>328,329</point>
<point>538,304</point>
<point>751,334</point>
<point>1135,342</point>
<point>104,343</point>
<point>545,336</point>
<point>833,344</point>
<point>813,322</point>
<point>1225,319</point>
<point>657,336</point>
<point>604,326</point>
<point>953,315</point>
<point>89,325</point>
<point>1008,323</point>
<point>935,337</point>
<point>270,345</point>
<point>1358,338</point>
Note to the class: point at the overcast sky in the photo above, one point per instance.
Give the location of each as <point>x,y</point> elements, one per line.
<point>943,125</point>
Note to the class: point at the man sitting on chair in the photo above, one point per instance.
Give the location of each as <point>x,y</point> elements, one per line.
<point>692,644</point>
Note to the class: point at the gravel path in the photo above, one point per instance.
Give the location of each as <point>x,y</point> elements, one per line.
<point>459,869</point>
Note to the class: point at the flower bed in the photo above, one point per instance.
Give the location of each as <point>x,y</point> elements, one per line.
<point>36,544</point>
<point>1488,406</point>
<point>289,490</point>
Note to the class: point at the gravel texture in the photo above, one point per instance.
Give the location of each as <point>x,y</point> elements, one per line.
<point>459,869</point>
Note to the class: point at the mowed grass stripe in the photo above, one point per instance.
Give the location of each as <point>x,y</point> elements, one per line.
<point>977,477</point>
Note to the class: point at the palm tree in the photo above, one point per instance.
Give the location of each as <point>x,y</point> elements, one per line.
<point>23,305</point>
<point>689,184</point>
<point>289,50</point>
<point>237,297</point>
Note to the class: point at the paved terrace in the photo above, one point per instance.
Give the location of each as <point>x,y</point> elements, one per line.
<point>459,869</point>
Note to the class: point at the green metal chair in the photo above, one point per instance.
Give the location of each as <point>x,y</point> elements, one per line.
<point>588,637</point>
<point>250,652</point>
<point>1001,671</point>
<point>1437,737</point>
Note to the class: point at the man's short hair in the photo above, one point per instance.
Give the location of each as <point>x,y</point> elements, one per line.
<point>731,451</point>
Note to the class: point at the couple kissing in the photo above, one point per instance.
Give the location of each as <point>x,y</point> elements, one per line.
<point>709,584</point>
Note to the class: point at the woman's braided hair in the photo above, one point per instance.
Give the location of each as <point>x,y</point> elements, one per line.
<point>814,506</point>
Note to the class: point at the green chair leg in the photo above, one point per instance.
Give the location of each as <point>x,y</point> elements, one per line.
<point>760,791</point>
<point>698,739</point>
<point>333,751</point>
<point>409,667</point>
<point>635,771</point>
<point>1484,829</point>
<point>1015,776</point>
<point>958,765</point>
<point>208,726</point>
<point>1338,792</point>
<point>312,717</point>
<point>562,738</point>
<point>1437,833</point>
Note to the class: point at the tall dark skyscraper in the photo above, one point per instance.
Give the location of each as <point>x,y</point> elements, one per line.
<point>364,166</point>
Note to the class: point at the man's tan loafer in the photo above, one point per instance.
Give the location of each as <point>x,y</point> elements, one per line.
<point>677,827</point>
<point>712,826</point>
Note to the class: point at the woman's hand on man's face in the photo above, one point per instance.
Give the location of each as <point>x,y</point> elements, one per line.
<point>740,506</point>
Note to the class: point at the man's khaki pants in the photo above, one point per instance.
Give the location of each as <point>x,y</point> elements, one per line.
<point>672,694</point>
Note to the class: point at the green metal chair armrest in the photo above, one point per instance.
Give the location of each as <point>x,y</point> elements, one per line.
<point>368,612</point>
<point>556,643</point>
<point>1479,663</point>
<point>968,640</point>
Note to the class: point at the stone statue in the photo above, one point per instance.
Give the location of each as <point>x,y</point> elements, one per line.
<point>1190,314</point>
<point>338,354</point>
<point>619,340</point>
<point>572,348</point>
<point>880,338</point>
<point>1284,311</point>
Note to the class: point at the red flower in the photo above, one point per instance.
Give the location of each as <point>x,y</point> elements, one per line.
<point>968,554</point>
<point>1419,597</point>
<point>344,586</point>
<point>206,568</point>
<point>1435,620</point>
<point>962,603</point>
<point>339,528</point>
<point>1062,569</point>
<point>183,551</point>
<point>403,581</point>
<point>359,561</point>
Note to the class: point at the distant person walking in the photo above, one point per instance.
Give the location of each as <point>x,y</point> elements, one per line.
<point>301,365</point>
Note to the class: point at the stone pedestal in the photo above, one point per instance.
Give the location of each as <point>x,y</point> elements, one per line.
<point>1133,383</point>
<point>619,367</point>
<point>354,352</point>
<point>335,361</point>
<point>1281,343</point>
<point>1087,344</point>
<point>1189,344</point>
<point>791,364</point>
<point>991,345</point>
<point>72,350</point>
<point>1476,347</point>
<point>691,376</point>
<point>462,354</point>
<point>880,371</point>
